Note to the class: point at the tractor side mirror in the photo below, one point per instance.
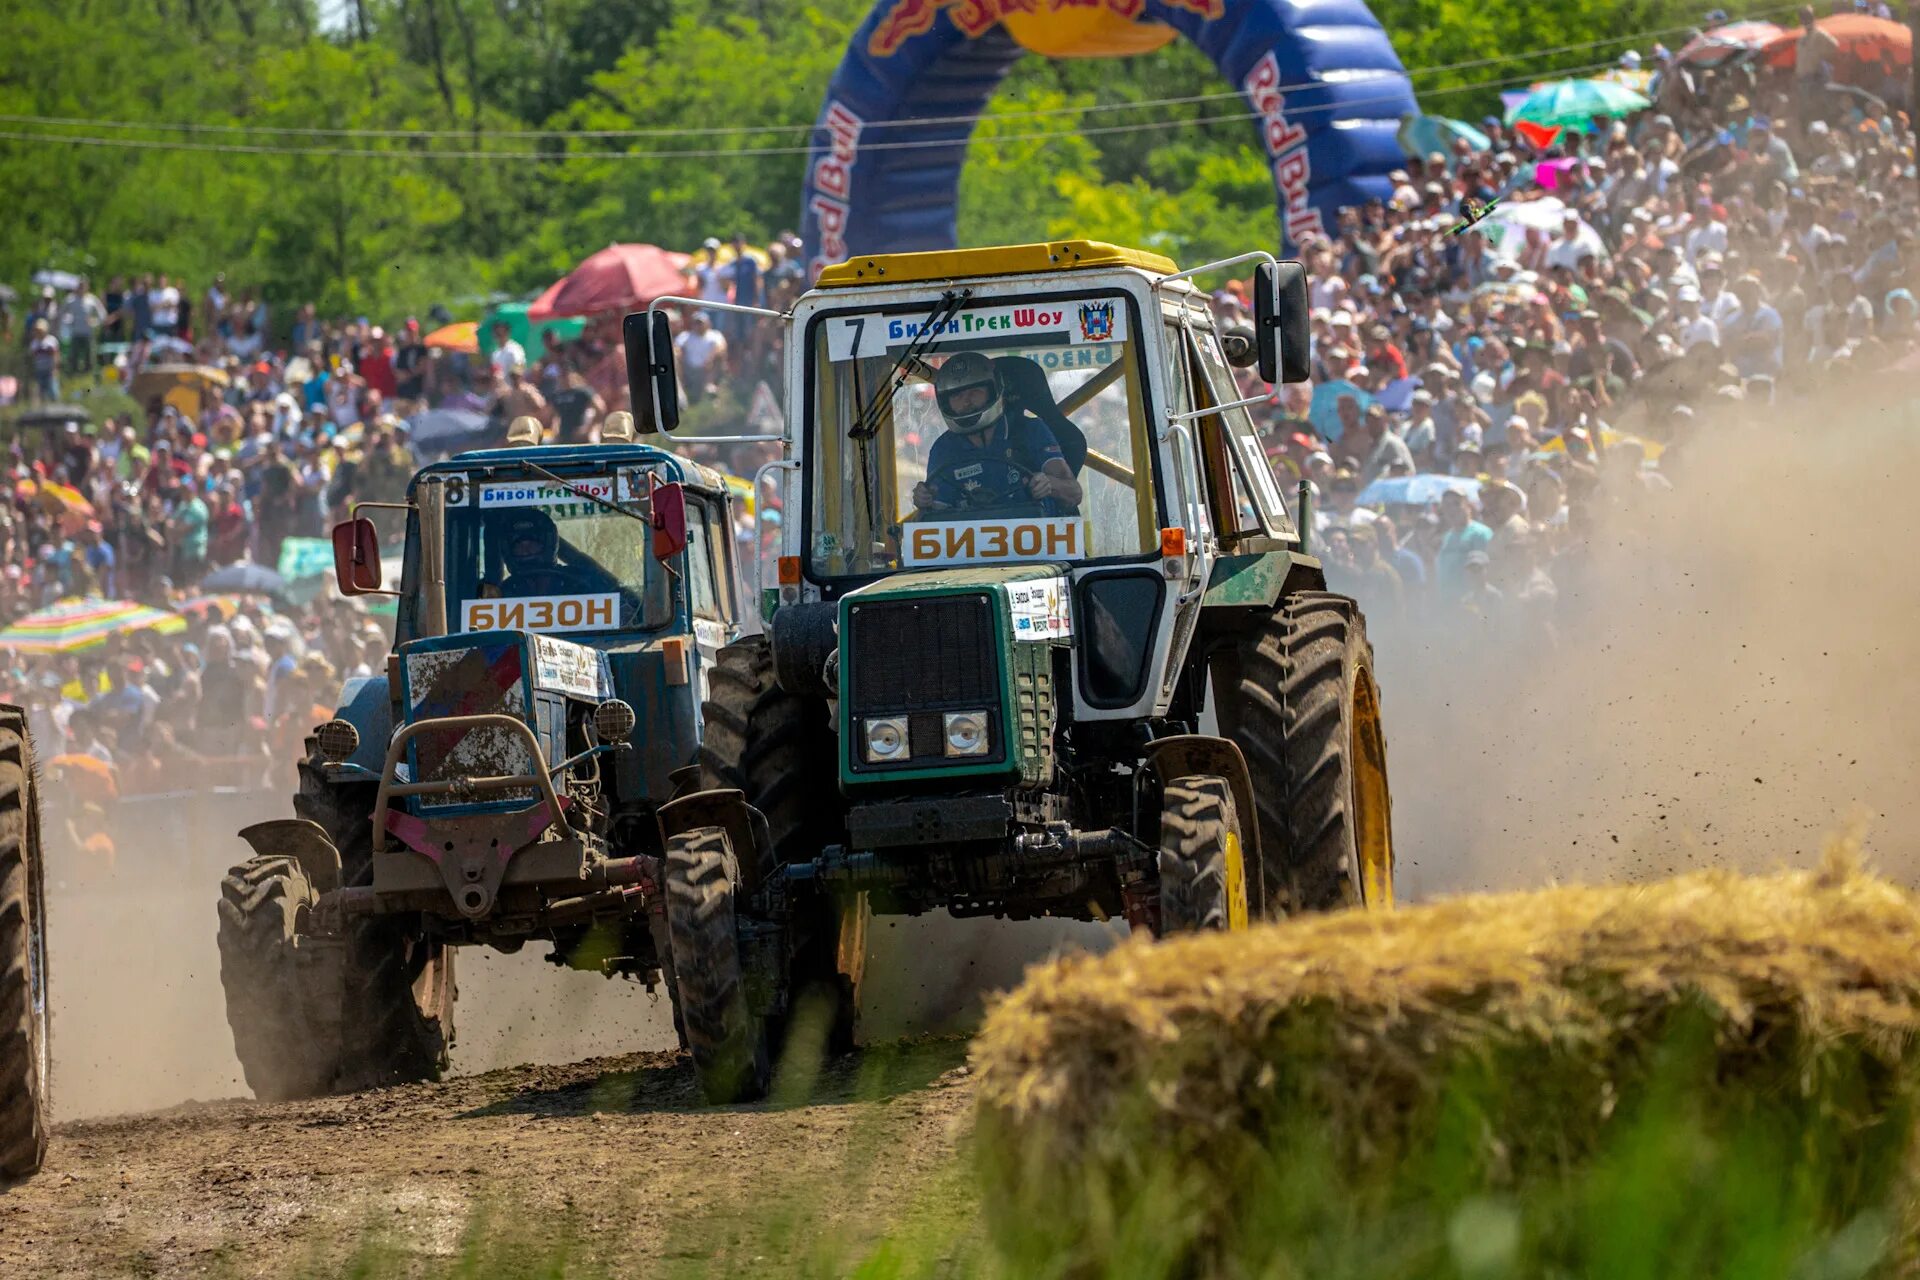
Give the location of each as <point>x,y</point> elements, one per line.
<point>1281,333</point>
<point>652,383</point>
<point>669,521</point>
<point>356,556</point>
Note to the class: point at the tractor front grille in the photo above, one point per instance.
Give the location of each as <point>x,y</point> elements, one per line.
<point>936,653</point>
<point>918,659</point>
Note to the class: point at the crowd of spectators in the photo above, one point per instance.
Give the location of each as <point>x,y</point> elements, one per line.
<point>1744,243</point>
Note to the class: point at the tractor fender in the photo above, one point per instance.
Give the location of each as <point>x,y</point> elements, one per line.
<point>303,841</point>
<point>1186,754</point>
<point>367,705</point>
<point>746,826</point>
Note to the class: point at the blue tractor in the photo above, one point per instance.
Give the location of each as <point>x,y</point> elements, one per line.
<point>561,610</point>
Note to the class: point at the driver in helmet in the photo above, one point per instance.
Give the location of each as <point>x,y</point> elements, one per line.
<point>990,456</point>
<point>530,550</point>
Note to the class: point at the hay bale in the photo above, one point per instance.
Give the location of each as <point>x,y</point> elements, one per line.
<point>1489,1042</point>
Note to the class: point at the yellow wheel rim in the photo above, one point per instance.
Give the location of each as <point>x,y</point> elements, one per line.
<point>1372,803</point>
<point>1236,885</point>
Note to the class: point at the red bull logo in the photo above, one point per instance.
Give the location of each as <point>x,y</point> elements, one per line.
<point>1285,142</point>
<point>832,197</point>
<point>906,19</point>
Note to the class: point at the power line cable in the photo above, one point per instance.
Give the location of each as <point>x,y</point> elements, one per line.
<point>244,148</point>
<point>192,127</point>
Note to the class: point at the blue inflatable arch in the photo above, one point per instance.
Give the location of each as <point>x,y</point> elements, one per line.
<point>1320,76</point>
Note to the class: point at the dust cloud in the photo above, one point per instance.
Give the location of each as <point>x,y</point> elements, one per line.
<point>1733,678</point>
<point>139,1018</point>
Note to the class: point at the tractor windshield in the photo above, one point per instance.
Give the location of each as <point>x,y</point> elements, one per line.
<point>1010,430</point>
<point>535,556</point>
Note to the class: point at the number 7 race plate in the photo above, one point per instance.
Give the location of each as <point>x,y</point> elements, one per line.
<point>994,541</point>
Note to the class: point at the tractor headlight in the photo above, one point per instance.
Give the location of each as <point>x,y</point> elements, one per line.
<point>966,733</point>
<point>886,739</point>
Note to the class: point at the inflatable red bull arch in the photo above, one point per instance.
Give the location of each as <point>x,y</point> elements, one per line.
<point>1322,80</point>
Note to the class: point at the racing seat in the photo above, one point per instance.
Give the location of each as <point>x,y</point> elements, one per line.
<point>1024,383</point>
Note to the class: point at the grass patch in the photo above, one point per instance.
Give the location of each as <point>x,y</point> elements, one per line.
<point>1710,1076</point>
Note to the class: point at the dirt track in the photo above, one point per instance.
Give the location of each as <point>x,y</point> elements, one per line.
<point>612,1161</point>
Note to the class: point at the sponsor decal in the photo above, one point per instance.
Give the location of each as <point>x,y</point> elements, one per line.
<point>906,19</point>
<point>1286,148</point>
<point>1040,609</point>
<point>563,667</point>
<point>832,181</point>
<point>994,541</point>
<point>874,334</point>
<point>543,613</point>
<point>544,493</point>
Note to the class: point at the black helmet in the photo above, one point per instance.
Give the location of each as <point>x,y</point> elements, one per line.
<point>964,371</point>
<point>524,526</point>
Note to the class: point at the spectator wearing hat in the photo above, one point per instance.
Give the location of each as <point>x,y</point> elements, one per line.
<point>1386,453</point>
<point>1461,535</point>
<point>1755,337</point>
<point>376,364</point>
<point>1694,328</point>
<point>1422,435</point>
<point>43,360</point>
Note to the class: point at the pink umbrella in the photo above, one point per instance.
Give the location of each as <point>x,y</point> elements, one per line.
<point>620,277</point>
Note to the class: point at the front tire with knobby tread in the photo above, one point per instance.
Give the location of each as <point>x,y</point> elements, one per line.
<point>398,1028</point>
<point>727,1038</point>
<point>26,1046</point>
<point>283,1006</point>
<point>1302,704</point>
<point>778,749</point>
<point>1200,888</point>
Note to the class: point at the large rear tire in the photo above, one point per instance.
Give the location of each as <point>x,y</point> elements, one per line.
<point>26,1041</point>
<point>1301,701</point>
<point>399,1023</point>
<point>283,998</point>
<point>778,749</point>
<point>728,1040</point>
<point>1203,875</point>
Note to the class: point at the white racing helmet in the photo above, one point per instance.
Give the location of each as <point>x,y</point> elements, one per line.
<point>964,371</point>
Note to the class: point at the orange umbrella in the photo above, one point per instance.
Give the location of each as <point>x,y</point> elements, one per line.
<point>457,337</point>
<point>1862,38</point>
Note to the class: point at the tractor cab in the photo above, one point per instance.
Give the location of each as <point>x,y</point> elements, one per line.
<point>1039,404</point>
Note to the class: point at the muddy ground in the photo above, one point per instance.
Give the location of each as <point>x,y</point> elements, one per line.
<point>609,1163</point>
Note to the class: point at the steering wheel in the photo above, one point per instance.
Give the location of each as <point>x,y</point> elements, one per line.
<point>981,499</point>
<point>549,580</point>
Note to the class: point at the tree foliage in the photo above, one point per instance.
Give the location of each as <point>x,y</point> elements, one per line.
<point>391,224</point>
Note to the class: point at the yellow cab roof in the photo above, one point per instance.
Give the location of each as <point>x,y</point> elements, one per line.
<point>1004,260</point>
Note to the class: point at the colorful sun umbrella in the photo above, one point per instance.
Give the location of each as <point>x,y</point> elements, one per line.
<point>1422,135</point>
<point>1575,103</point>
<point>73,626</point>
<point>457,337</point>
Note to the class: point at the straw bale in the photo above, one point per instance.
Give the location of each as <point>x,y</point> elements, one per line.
<point>1803,986</point>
